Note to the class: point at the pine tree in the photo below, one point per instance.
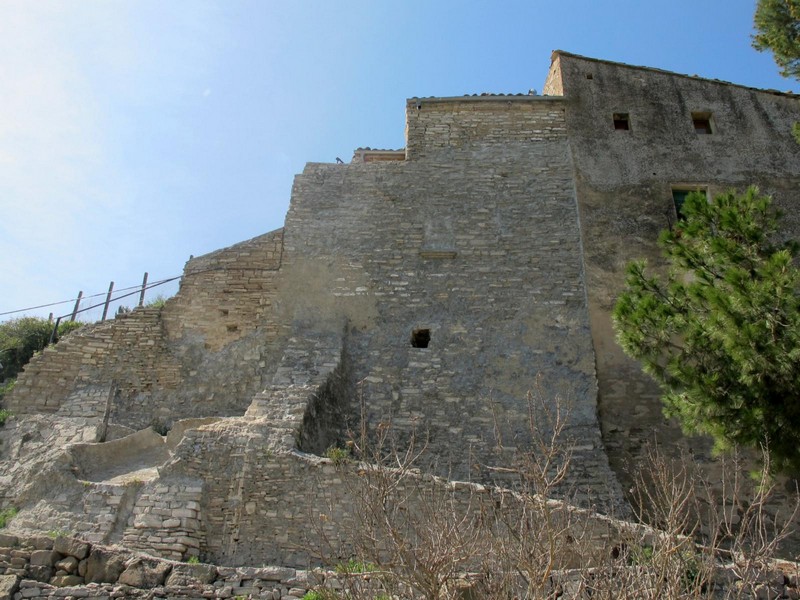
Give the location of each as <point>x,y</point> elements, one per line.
<point>777,24</point>
<point>721,330</point>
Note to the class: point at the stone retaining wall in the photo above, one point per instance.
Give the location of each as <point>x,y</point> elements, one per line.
<point>202,354</point>
<point>46,568</point>
<point>128,351</point>
<point>475,240</point>
<point>41,567</point>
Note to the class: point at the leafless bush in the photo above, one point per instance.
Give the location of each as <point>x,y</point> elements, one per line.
<point>418,536</point>
<point>693,539</point>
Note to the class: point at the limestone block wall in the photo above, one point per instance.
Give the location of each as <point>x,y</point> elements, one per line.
<point>129,351</point>
<point>39,567</point>
<point>166,520</point>
<point>203,354</point>
<point>261,505</point>
<point>436,124</point>
<point>227,293</point>
<point>475,239</point>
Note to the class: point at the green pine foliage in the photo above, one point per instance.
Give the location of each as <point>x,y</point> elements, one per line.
<point>721,330</point>
<point>777,24</point>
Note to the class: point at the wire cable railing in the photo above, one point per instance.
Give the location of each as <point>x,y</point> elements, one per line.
<point>109,298</point>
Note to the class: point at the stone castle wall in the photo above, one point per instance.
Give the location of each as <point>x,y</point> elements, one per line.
<point>461,296</point>
<point>451,124</point>
<point>474,238</point>
<point>624,181</point>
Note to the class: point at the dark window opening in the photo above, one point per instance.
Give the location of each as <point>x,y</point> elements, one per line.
<point>679,198</point>
<point>589,76</point>
<point>702,123</point>
<point>622,122</point>
<point>420,338</point>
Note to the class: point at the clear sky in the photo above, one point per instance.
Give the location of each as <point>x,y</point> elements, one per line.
<point>134,134</point>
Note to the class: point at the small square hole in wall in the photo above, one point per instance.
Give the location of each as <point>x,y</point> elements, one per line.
<point>702,122</point>
<point>589,76</point>
<point>420,338</point>
<point>622,121</point>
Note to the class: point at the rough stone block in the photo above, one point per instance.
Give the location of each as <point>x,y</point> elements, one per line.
<point>185,574</point>
<point>145,573</point>
<point>41,542</point>
<point>71,547</point>
<point>66,580</point>
<point>275,573</point>
<point>9,584</point>
<point>40,573</point>
<point>45,558</point>
<point>147,521</point>
<point>8,541</point>
<point>69,565</point>
<point>104,566</point>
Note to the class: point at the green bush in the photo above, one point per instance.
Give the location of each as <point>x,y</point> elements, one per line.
<point>6,515</point>
<point>720,330</point>
<point>6,387</point>
<point>4,414</point>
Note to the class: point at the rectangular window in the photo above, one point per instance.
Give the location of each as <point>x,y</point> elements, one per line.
<point>702,122</point>
<point>622,121</point>
<point>679,195</point>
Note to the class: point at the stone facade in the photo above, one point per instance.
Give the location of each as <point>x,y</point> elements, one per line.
<point>458,292</point>
<point>624,181</point>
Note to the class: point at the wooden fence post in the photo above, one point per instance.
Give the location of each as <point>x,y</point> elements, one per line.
<point>77,304</point>
<point>54,334</point>
<point>144,287</point>
<point>108,299</point>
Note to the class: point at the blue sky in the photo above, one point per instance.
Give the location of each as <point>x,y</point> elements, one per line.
<point>134,134</point>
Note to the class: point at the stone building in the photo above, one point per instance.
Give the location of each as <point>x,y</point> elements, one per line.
<point>457,290</point>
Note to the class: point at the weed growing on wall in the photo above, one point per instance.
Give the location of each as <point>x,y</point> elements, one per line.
<point>339,456</point>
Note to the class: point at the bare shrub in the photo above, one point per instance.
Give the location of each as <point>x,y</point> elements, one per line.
<point>414,535</point>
